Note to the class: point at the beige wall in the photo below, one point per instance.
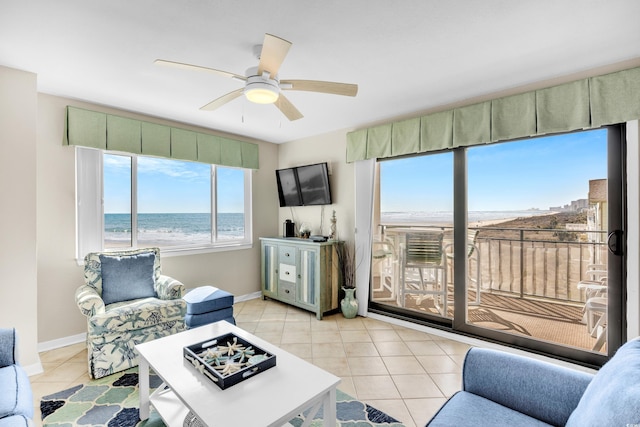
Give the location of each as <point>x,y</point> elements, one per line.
<point>58,273</point>
<point>330,148</point>
<point>18,274</point>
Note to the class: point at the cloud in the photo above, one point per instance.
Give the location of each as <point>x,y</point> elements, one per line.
<point>116,162</point>
<point>173,168</point>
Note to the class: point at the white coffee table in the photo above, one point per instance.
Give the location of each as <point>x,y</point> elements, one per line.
<point>270,398</point>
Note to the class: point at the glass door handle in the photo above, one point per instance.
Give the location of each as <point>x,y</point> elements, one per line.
<point>615,242</point>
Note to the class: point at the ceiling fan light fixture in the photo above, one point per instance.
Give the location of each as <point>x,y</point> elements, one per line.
<point>262,92</point>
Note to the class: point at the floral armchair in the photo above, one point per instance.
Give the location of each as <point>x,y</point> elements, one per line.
<point>127,301</point>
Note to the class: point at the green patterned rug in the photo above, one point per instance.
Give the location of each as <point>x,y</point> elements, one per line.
<point>113,401</point>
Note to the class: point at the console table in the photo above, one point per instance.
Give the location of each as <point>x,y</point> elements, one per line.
<point>301,272</point>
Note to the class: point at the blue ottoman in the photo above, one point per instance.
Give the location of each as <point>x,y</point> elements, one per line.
<point>207,304</point>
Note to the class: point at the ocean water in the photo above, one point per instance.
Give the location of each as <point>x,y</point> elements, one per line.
<point>172,229</point>
<point>180,229</point>
<point>446,217</point>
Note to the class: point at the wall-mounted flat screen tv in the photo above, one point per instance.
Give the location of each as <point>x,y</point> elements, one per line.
<point>288,190</point>
<point>314,184</point>
<point>304,185</point>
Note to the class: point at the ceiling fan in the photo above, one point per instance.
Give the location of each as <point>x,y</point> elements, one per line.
<point>262,84</point>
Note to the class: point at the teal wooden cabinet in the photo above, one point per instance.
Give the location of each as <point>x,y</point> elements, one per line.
<point>301,273</point>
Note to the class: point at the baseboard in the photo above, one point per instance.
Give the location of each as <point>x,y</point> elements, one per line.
<point>61,342</point>
<point>75,339</point>
<point>33,369</point>
<point>248,297</point>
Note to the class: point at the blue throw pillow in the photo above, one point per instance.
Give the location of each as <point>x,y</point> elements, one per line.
<point>127,277</point>
<point>612,397</point>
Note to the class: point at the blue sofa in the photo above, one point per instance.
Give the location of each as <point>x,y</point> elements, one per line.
<point>16,400</point>
<point>501,389</point>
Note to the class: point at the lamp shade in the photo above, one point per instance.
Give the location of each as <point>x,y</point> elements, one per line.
<point>261,92</point>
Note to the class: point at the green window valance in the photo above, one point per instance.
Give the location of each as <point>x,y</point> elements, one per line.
<point>108,132</point>
<point>582,104</point>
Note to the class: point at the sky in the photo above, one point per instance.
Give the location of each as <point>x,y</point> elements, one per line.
<point>533,173</point>
<point>170,186</point>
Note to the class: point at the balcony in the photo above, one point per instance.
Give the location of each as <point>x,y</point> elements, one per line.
<point>528,280</point>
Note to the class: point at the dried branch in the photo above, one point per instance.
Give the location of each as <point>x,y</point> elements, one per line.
<point>347,264</point>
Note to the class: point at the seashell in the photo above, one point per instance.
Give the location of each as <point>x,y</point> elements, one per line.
<point>254,360</point>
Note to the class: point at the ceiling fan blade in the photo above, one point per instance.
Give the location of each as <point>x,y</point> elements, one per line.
<point>345,89</point>
<point>287,108</point>
<point>274,50</point>
<point>199,68</point>
<point>222,100</point>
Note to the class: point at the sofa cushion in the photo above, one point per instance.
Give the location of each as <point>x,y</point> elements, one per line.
<point>466,409</point>
<point>93,267</point>
<point>612,396</point>
<point>8,347</point>
<point>16,421</point>
<point>126,278</point>
<point>15,392</point>
<point>534,387</point>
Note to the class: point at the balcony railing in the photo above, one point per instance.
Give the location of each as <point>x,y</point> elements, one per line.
<point>532,263</point>
<point>530,267</point>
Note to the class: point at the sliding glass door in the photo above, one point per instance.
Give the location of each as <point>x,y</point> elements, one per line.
<point>413,245</point>
<point>510,242</point>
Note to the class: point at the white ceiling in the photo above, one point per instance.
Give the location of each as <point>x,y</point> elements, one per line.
<point>406,56</point>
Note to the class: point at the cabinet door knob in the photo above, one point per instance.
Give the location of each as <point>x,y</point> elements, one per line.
<point>287,254</point>
<point>286,272</point>
<point>286,291</point>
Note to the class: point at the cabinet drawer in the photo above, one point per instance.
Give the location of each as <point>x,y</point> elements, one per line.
<point>287,291</point>
<point>287,255</point>
<point>287,272</point>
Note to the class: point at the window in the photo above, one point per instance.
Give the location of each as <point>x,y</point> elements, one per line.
<point>148,201</point>
<point>533,220</point>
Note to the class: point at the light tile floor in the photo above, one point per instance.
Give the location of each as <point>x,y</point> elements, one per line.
<point>405,373</point>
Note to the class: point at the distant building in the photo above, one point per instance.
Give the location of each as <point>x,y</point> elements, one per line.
<point>597,217</point>
<point>575,206</point>
<point>595,207</point>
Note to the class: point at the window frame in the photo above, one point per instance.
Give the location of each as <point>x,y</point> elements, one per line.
<point>90,208</point>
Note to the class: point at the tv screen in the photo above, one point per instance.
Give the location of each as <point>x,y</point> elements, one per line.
<point>314,184</point>
<point>304,185</point>
<point>288,190</point>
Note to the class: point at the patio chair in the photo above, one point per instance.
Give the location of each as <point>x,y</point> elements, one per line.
<point>595,307</point>
<point>596,313</point>
<point>383,255</point>
<point>596,284</point>
<point>424,252</point>
<point>593,288</point>
<point>473,254</point>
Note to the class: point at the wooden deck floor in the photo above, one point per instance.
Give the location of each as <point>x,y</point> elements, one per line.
<point>544,320</point>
